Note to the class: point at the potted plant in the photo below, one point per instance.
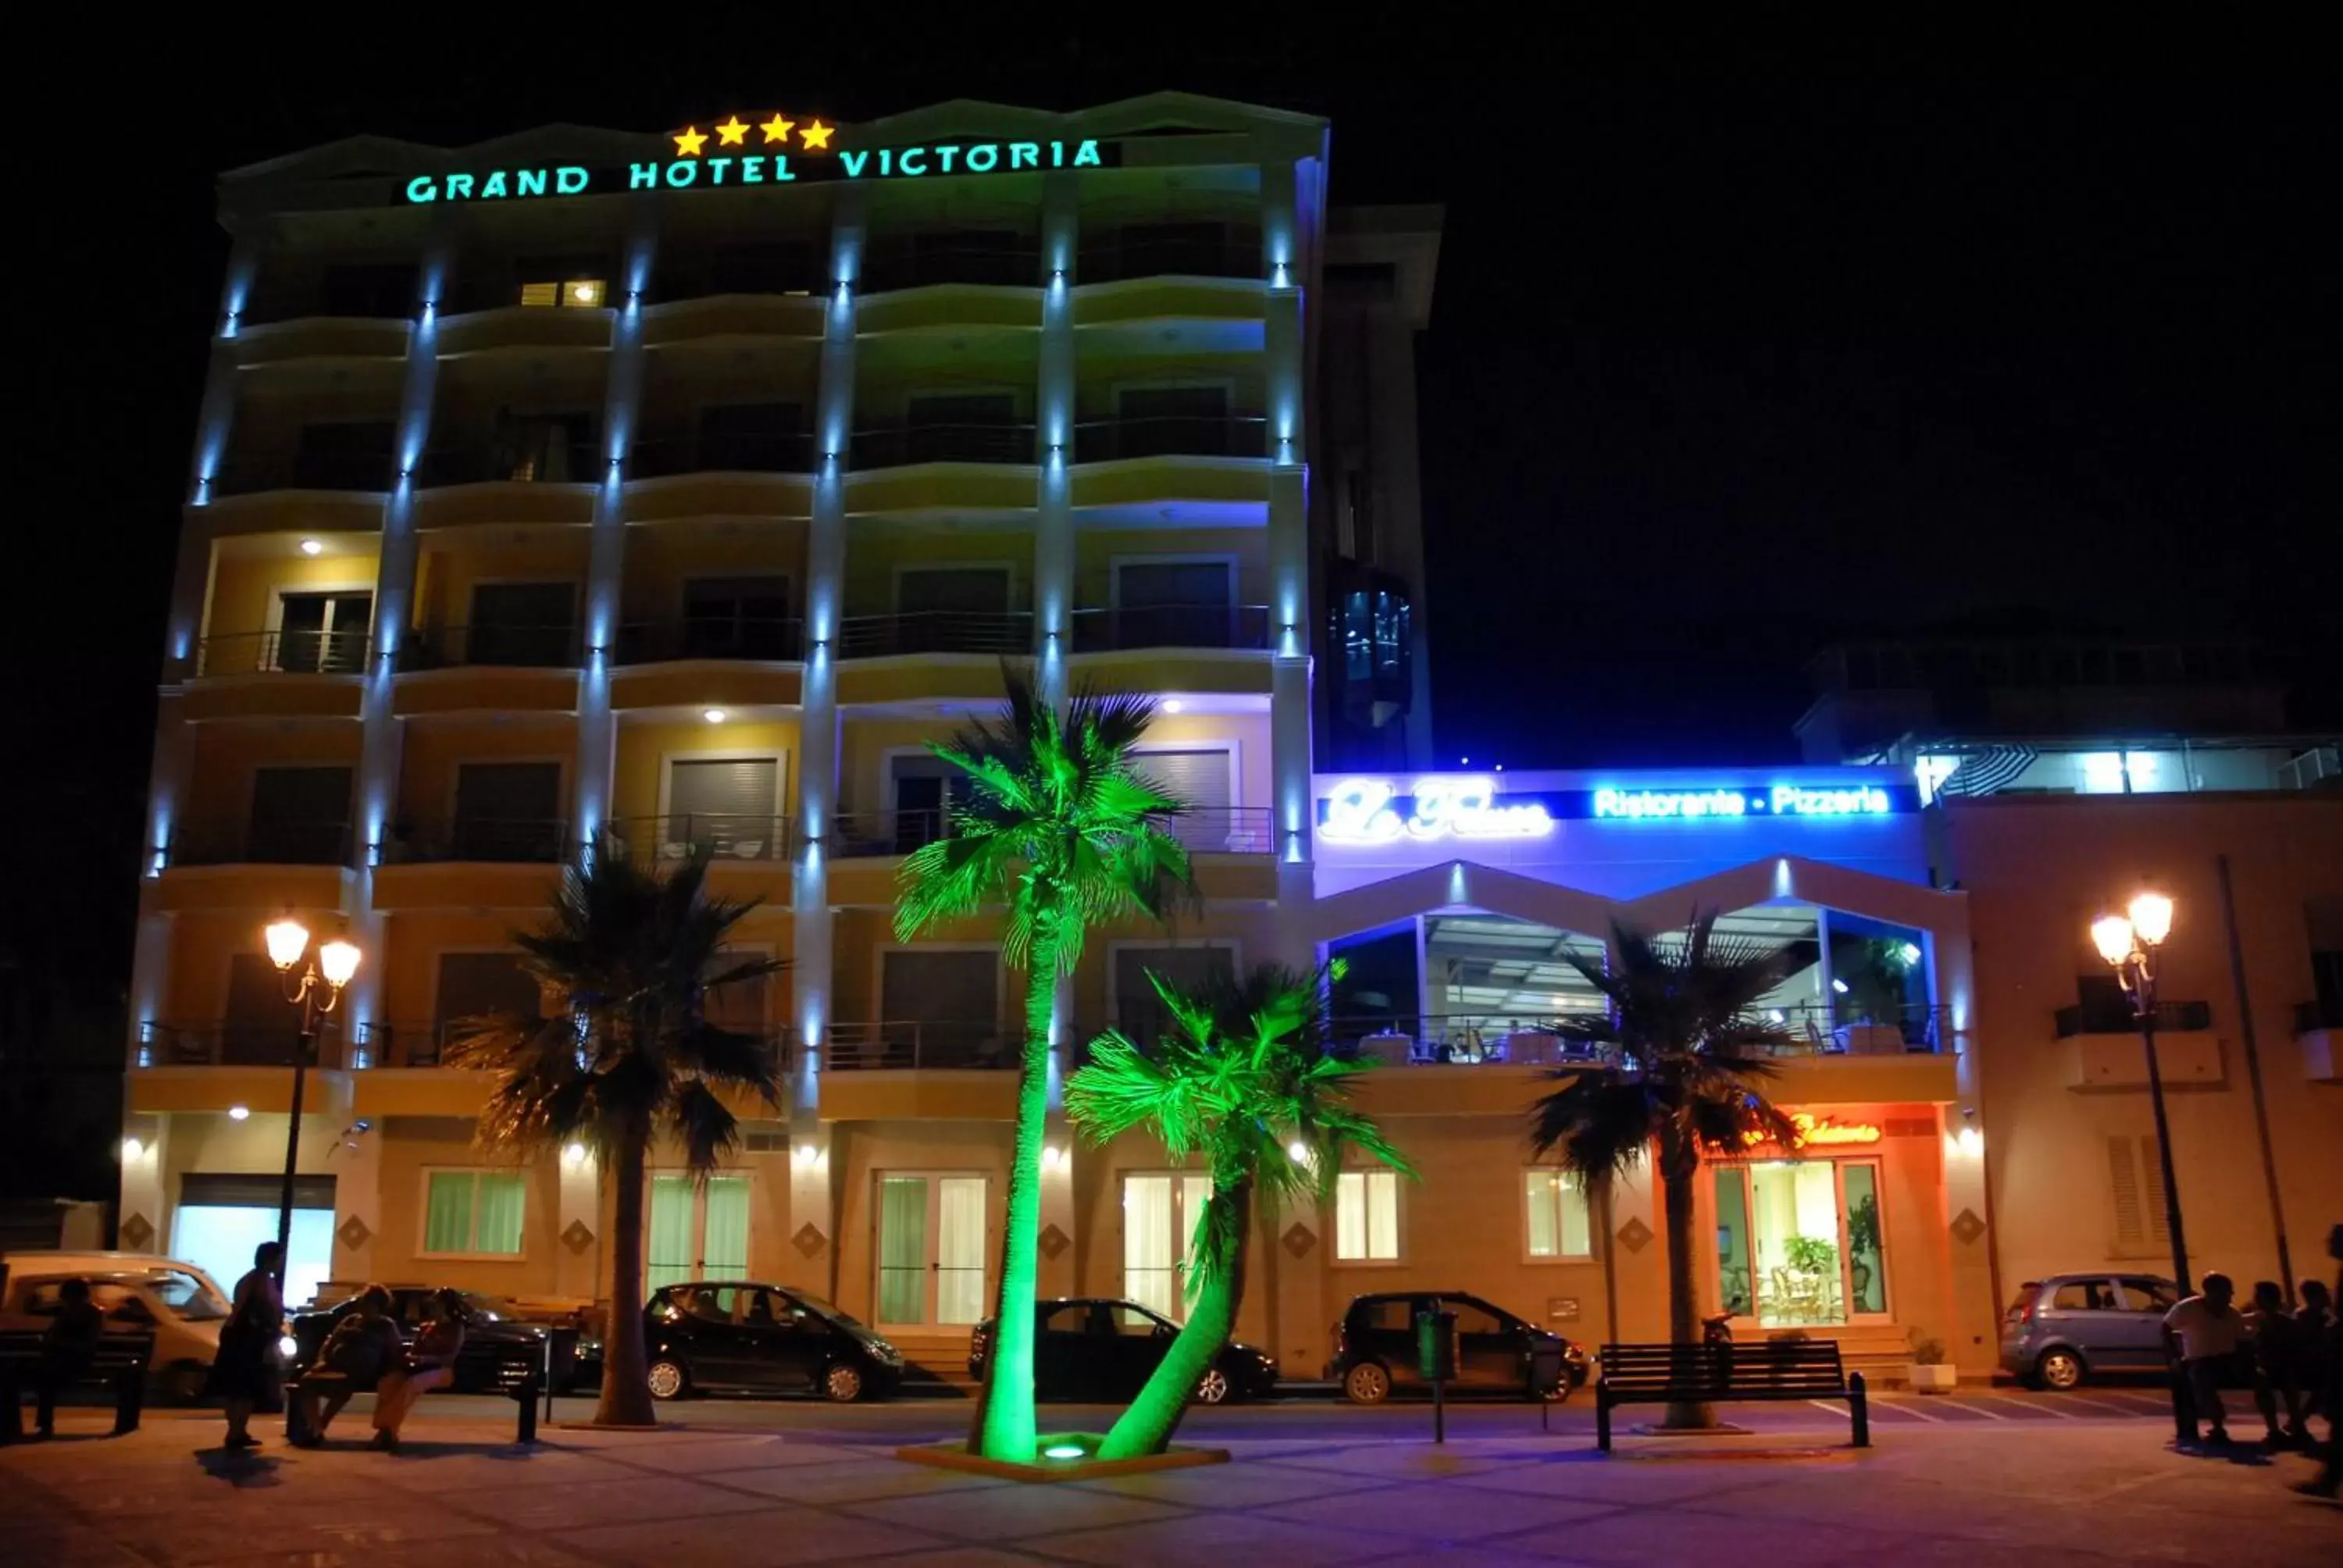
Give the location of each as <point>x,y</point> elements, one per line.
<point>1931,1371</point>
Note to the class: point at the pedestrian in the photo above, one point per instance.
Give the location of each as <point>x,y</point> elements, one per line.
<point>429,1363</point>
<point>2314,1321</point>
<point>362,1348</point>
<point>2330,1473</point>
<point>2211,1333</point>
<point>245,1372</point>
<point>68,1346</point>
<point>2277,1365</point>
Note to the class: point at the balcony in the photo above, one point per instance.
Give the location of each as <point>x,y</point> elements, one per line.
<point>782,452</point>
<point>1172,436</point>
<point>219,1043</point>
<point>1205,831</point>
<point>724,638</point>
<point>927,260</point>
<point>284,653</point>
<point>401,1044</point>
<point>2101,1049</point>
<point>910,1043</point>
<point>1815,1032</point>
<point>368,472</point>
<point>988,632</point>
<point>2319,1032</point>
<point>237,841</point>
<point>571,462</point>
<point>1182,250</point>
<point>497,646</point>
<point>2171,1018</point>
<point>1222,626</point>
<point>498,840</point>
<point>725,840</point>
<point>901,446</point>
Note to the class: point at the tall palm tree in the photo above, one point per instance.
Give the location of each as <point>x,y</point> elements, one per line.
<point>1242,1078</point>
<point>1682,1054</point>
<point>628,958</point>
<point>1060,824</point>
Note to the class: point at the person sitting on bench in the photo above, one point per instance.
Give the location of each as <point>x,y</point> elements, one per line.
<point>430,1362</point>
<point>68,1346</point>
<point>363,1347</point>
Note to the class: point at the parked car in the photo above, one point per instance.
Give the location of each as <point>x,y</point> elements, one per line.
<point>1099,1348</point>
<point>1376,1347</point>
<point>2066,1328</point>
<point>500,1352</point>
<point>742,1336</point>
<point>184,1315</point>
<point>60,1262</point>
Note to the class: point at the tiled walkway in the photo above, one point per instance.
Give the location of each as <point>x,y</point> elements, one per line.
<point>2071,1494</point>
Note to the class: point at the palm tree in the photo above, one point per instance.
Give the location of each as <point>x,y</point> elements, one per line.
<point>1682,1054</point>
<point>630,958</point>
<point>1240,1078</point>
<point>1060,824</point>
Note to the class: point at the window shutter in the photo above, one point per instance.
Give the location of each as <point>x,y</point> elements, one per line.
<point>2123,1175</point>
<point>1200,779</point>
<point>723,791</point>
<point>2151,1186</point>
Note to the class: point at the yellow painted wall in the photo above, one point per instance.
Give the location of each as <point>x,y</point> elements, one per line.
<point>645,748</point>
<point>1096,551</point>
<point>661,560</point>
<point>412,1147</point>
<point>244,590</point>
<point>874,554</point>
<point>1102,374</point>
<point>453,562</point>
<point>431,753</point>
<point>410,968</point>
<point>202,943</point>
<point>861,1152</point>
<point>219,782</point>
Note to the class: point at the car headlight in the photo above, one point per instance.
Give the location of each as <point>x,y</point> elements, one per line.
<point>289,1345</point>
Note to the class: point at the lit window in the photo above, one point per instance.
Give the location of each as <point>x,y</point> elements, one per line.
<point>1558,1225</point>
<point>468,1214</point>
<point>1367,1216</point>
<point>575,293</point>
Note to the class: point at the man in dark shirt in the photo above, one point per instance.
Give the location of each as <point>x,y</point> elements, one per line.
<point>67,1345</point>
<point>365,1344</point>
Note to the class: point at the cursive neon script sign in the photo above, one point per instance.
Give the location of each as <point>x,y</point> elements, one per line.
<point>1819,1132</point>
<point>1781,800</point>
<point>1370,811</point>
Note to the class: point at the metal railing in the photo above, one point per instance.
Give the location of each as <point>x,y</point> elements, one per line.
<point>220,1044</point>
<point>368,472</point>
<point>864,834</point>
<point>1172,436</point>
<point>891,265</point>
<point>264,842</point>
<point>1844,1025</point>
<point>500,840</point>
<point>1233,626</point>
<point>1205,831</point>
<point>1816,1029</point>
<point>285,653</point>
<point>1220,830</point>
<point>509,647</point>
<point>781,452</point>
<point>1115,255</point>
<point>2310,1017</point>
<point>722,838</point>
<point>710,637</point>
<point>895,445</point>
<point>912,1043</point>
<point>2172,1016</point>
<point>401,1044</point>
<point>936,631</point>
<point>574,461</point>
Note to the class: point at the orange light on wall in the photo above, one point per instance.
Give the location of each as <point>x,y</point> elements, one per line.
<point>1819,1132</point>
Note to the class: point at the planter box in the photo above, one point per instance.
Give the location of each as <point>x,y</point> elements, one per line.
<point>1928,1378</point>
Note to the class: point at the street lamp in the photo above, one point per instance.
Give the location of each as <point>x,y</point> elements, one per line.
<point>317,990</point>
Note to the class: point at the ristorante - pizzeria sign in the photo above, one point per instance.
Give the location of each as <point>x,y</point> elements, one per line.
<point>783,151</point>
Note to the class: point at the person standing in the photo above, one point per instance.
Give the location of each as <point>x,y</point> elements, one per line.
<point>2277,1365</point>
<point>244,1373</point>
<point>68,1346</point>
<point>2330,1473</point>
<point>2211,1332</point>
<point>430,1363</point>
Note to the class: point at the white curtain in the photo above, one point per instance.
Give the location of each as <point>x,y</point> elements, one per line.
<point>1148,1250</point>
<point>959,1249</point>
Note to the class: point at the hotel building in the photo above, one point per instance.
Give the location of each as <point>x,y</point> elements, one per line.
<point>675,490</point>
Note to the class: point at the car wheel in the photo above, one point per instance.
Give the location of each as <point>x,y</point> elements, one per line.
<point>669,1380</point>
<point>1212,1388</point>
<point>843,1383</point>
<point>2058,1369</point>
<point>1366,1383</point>
<point>182,1384</point>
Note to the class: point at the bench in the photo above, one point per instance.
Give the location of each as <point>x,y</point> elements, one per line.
<point>1722,1375</point>
<point>119,1362</point>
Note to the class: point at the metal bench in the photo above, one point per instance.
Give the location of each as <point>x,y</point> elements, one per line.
<point>119,1362</point>
<point>1722,1375</point>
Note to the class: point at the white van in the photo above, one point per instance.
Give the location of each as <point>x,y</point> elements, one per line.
<point>178,1301</point>
<point>52,1260</point>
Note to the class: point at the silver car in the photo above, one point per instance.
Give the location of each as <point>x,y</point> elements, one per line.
<point>2067,1327</point>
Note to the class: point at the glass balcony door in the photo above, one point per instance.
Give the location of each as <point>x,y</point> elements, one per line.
<point>931,1251</point>
<point>1800,1241</point>
<point>1160,1216</point>
<point>697,1233</point>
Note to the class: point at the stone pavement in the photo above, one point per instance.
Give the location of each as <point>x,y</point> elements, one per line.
<point>2075,1496</point>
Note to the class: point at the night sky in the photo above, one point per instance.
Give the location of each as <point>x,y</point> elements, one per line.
<point>1723,365</point>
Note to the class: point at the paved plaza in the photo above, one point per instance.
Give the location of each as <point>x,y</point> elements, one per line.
<point>2073,1493</point>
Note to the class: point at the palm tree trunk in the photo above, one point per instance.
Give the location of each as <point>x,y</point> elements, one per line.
<point>1147,1427</point>
<point>1679,1165</point>
<point>1005,1427</point>
<point>626,1378</point>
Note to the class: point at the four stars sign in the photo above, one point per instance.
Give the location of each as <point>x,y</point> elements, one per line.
<point>814,138</point>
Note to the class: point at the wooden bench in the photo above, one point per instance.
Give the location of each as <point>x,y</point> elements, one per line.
<point>1723,1375</point>
<point>119,1362</point>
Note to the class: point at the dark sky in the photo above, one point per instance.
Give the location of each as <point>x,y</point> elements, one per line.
<point>1724,363</point>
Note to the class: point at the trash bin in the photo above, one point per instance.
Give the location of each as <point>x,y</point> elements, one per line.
<point>1435,1346</point>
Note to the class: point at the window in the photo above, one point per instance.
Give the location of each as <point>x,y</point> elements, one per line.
<point>1801,1240</point>
<point>300,816</point>
<point>2143,1295</point>
<point>1387,1314</point>
<point>1176,604</point>
<point>1473,1317</point>
<point>508,811</point>
<point>473,1214</point>
<point>1367,1216</point>
<point>1558,1223</point>
<point>2134,1179</point>
<point>1160,1216</point>
<point>1074,1317</point>
<point>1133,1322</point>
<point>931,1250</point>
<point>2083,1296</point>
<point>737,617</point>
<point>322,633</point>
<point>1202,779</point>
<point>523,624</point>
<point>724,808</point>
<point>695,1231</point>
<point>565,293</point>
<point>945,1003</point>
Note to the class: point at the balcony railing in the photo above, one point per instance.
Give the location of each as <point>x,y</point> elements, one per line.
<point>910,1043</point>
<point>1220,830</point>
<point>936,631</point>
<point>1172,436</point>
<point>511,646</point>
<point>502,840</point>
<point>1111,257</point>
<point>864,834</point>
<point>2177,1016</point>
<point>269,842</point>
<point>219,1043</point>
<point>782,452</point>
<point>285,653</point>
<point>1205,831</point>
<point>710,637</point>
<point>1234,625</point>
<point>1538,1038</point>
<point>890,267</point>
<point>895,445</point>
<point>401,1044</point>
<point>569,462</point>
<point>366,472</point>
<point>2310,1017</point>
<point>723,839</point>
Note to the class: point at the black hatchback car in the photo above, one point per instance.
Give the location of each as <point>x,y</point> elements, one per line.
<point>499,1353</point>
<point>742,1336</point>
<point>1376,1347</point>
<point>1091,1348</point>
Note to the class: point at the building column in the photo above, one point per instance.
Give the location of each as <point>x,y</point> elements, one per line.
<point>812,1207</point>
<point>357,1167</point>
<point>578,1266</point>
<point>142,1217</point>
<point>1055,410</point>
<point>1288,536</point>
<point>1970,1238</point>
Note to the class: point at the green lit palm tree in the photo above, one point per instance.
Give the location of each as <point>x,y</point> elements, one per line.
<point>627,959</point>
<point>1683,1053</point>
<point>1060,824</point>
<point>1240,1078</point>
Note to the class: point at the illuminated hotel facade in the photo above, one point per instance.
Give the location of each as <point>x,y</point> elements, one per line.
<point>674,491</point>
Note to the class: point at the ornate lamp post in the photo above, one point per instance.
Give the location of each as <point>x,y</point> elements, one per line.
<point>317,990</point>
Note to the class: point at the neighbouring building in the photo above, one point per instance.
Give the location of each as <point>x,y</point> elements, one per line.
<point>675,490</point>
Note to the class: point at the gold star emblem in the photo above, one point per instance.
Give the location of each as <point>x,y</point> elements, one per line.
<point>816,137</point>
<point>777,129</point>
<point>688,143</point>
<point>730,132</point>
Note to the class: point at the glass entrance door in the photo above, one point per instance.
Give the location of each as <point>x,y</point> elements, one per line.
<point>1160,1216</point>
<point>697,1233</point>
<point>931,1251</point>
<point>1799,1241</point>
